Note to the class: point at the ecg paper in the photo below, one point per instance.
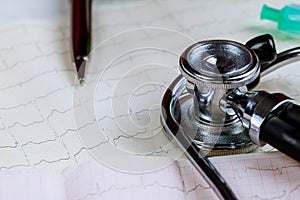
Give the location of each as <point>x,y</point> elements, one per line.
<point>278,179</point>
<point>46,124</point>
<point>268,176</point>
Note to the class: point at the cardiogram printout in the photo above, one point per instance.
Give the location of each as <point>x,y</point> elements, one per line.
<point>259,176</point>
<point>110,127</point>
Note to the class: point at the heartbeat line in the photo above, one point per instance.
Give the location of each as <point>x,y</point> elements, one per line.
<point>278,169</point>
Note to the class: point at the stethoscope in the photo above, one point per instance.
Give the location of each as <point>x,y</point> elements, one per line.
<point>210,109</point>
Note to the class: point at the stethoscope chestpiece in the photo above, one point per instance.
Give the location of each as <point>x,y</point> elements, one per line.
<point>211,69</point>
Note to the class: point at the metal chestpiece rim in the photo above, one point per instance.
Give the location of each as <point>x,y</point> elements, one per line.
<point>219,64</point>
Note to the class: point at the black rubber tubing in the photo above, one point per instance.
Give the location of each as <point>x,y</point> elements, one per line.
<point>281,135</point>
<point>291,115</point>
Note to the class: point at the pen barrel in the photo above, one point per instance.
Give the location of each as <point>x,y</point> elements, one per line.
<point>282,136</point>
<point>81,30</point>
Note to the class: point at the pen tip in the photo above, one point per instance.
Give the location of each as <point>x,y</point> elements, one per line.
<point>81,82</point>
<point>81,65</point>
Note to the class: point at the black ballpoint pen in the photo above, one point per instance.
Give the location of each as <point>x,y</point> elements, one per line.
<point>81,36</point>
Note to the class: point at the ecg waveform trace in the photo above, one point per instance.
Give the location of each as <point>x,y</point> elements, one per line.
<point>278,178</point>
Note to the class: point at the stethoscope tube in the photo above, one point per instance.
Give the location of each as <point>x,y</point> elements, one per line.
<point>193,153</point>
<point>280,134</point>
<point>291,114</point>
<point>283,58</point>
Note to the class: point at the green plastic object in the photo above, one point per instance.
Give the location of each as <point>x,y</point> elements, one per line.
<point>288,18</point>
